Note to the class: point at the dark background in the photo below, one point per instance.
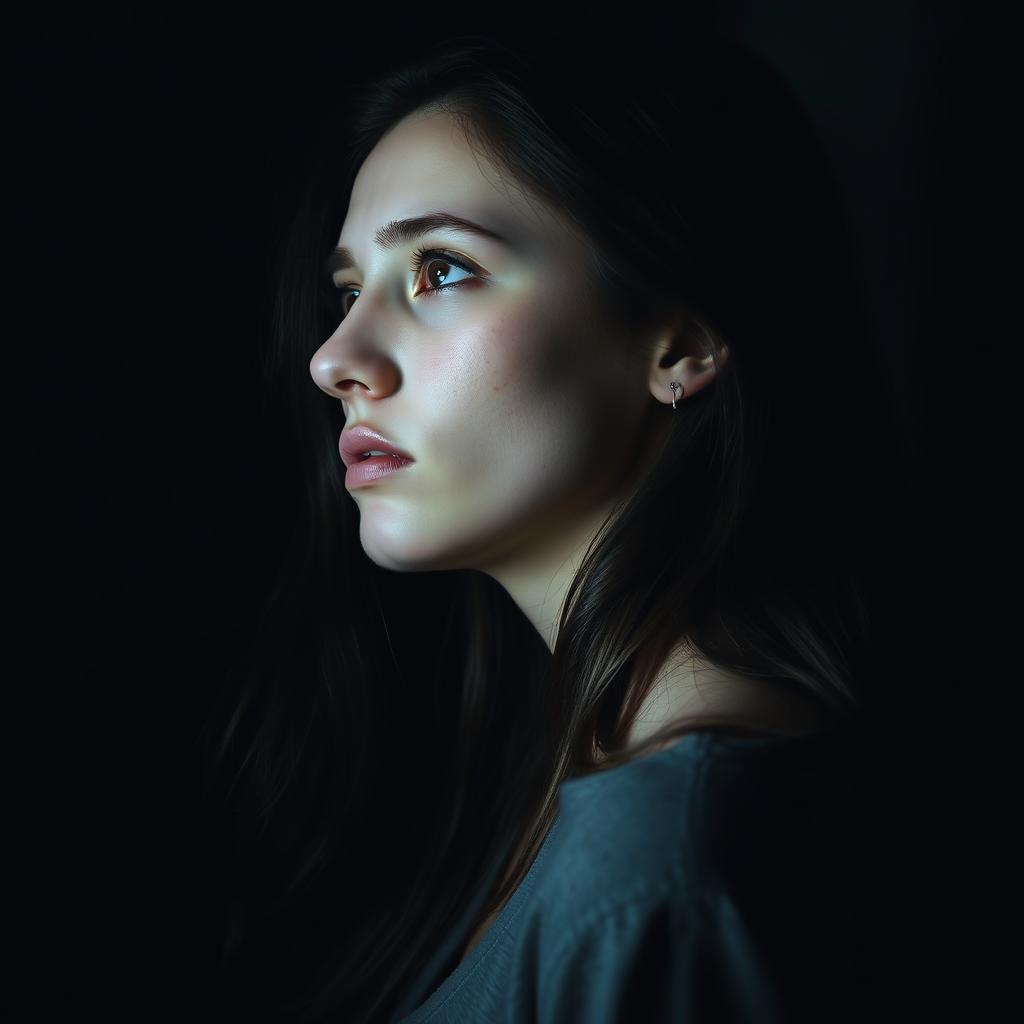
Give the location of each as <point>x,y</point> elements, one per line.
<point>153,159</point>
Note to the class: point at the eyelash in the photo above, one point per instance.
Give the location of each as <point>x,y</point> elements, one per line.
<point>420,258</point>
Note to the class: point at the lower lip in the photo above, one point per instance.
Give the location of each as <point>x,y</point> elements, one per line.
<point>373,469</point>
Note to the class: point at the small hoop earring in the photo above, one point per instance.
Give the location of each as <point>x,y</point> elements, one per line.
<point>675,386</point>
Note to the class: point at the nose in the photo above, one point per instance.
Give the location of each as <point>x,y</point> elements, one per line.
<point>346,366</point>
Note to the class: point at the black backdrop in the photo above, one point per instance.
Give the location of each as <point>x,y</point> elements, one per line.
<point>152,161</point>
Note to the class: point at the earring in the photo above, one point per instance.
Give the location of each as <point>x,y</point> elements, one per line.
<point>675,386</point>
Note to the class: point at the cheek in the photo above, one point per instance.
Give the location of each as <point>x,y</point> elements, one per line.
<point>521,395</point>
<point>540,400</point>
<point>537,351</point>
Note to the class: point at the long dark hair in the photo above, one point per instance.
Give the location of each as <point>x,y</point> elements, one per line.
<point>756,538</point>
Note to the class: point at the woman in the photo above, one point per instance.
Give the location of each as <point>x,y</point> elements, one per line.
<point>605,332</point>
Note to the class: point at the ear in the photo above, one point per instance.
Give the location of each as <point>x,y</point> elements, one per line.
<point>681,351</point>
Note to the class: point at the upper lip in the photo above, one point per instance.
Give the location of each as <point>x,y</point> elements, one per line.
<point>357,440</point>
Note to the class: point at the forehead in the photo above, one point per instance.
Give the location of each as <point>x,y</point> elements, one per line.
<point>425,163</point>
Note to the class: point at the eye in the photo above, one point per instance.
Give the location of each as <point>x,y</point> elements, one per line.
<point>440,267</point>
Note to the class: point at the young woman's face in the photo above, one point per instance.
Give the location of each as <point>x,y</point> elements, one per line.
<point>521,406</point>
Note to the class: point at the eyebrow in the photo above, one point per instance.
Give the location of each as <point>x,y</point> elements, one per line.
<point>398,232</point>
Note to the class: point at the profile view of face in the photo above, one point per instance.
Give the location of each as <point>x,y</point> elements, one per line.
<point>494,365</point>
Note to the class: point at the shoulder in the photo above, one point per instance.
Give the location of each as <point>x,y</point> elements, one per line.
<point>707,812</point>
<point>636,819</point>
<point>622,838</point>
<point>706,881</point>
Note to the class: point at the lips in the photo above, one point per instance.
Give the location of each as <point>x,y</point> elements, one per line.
<point>357,440</point>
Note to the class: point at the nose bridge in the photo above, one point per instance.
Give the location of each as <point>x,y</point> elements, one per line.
<point>357,350</point>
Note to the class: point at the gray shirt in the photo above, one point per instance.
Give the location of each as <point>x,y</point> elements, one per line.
<point>707,882</point>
